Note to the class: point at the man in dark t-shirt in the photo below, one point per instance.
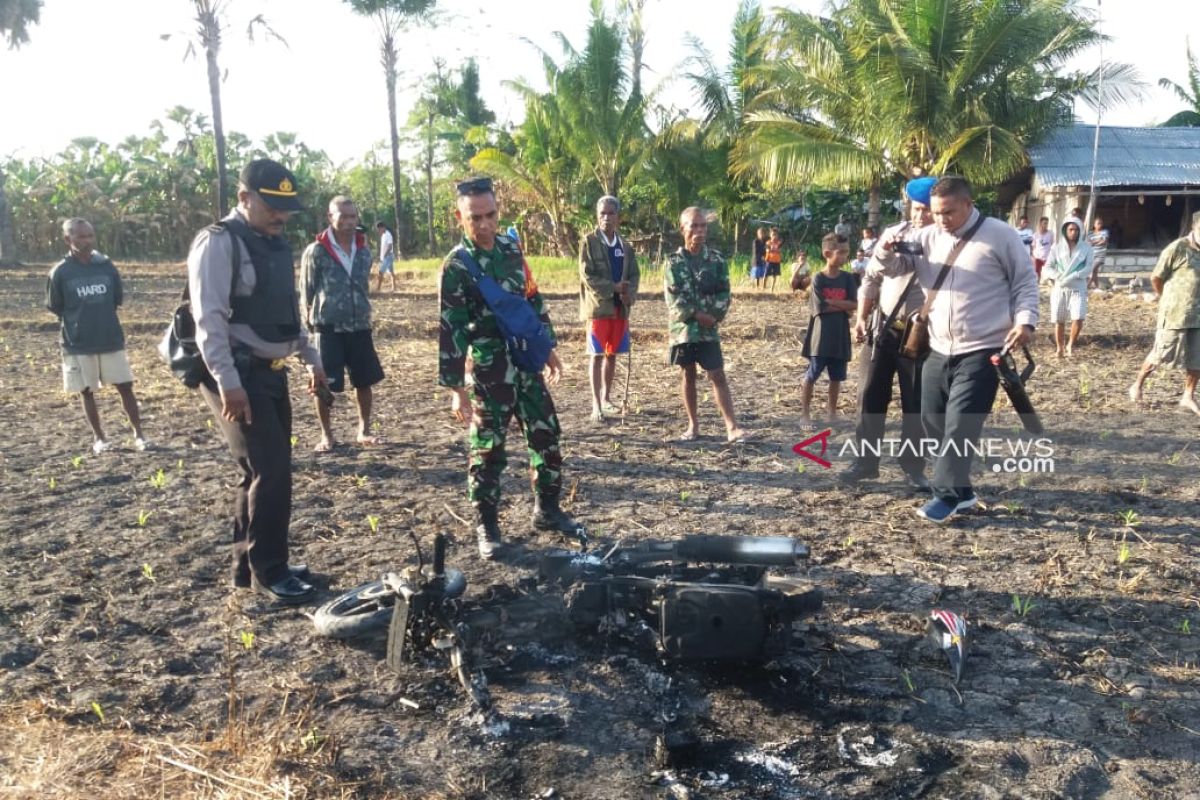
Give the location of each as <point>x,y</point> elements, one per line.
<point>827,345</point>
<point>83,291</point>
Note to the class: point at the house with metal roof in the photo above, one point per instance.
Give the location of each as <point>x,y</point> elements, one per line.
<point>1147,186</point>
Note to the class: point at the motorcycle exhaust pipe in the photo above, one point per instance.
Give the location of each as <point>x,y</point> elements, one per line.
<point>759,551</point>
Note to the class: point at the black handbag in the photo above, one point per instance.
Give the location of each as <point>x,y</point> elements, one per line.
<point>178,346</point>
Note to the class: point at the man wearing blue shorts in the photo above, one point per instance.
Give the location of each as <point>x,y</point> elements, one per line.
<point>387,258</point>
<point>827,345</point>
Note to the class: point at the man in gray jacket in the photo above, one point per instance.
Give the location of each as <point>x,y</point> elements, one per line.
<point>335,275</point>
<point>242,285</point>
<point>988,301</point>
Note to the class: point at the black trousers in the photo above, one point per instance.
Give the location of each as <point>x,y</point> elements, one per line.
<point>875,378</point>
<point>957,393</point>
<point>262,507</point>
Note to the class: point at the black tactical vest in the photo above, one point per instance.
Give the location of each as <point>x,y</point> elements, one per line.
<point>272,309</point>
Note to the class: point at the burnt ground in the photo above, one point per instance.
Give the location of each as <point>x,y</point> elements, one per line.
<point>129,667</point>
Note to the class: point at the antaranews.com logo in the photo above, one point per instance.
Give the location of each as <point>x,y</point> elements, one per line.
<point>1004,454</point>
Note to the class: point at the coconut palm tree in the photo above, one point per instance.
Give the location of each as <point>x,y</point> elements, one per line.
<point>390,18</point>
<point>893,88</point>
<point>1190,117</point>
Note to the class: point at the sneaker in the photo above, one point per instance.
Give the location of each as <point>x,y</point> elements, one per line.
<point>937,511</point>
<point>101,446</point>
<point>488,539</point>
<point>966,501</point>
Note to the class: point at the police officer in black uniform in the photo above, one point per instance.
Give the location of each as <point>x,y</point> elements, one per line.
<point>242,287</point>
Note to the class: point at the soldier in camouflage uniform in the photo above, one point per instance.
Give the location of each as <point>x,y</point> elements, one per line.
<point>1176,281</point>
<point>500,390</point>
<point>698,296</point>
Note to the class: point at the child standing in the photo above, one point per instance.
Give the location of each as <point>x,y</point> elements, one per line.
<point>774,257</point>
<point>758,266</point>
<point>827,345</point>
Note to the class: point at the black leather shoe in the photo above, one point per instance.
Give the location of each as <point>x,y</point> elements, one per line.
<point>299,570</point>
<point>857,472</point>
<point>916,481</point>
<point>290,591</point>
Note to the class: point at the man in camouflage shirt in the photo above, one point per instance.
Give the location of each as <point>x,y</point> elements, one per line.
<point>697,294</point>
<point>500,390</point>
<point>1176,281</point>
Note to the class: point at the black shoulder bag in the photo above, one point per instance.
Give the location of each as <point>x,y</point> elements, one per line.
<point>178,346</point>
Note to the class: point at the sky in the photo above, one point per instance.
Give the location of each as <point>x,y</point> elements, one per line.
<point>83,74</point>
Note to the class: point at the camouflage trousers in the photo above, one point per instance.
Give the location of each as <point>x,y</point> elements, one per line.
<point>495,404</point>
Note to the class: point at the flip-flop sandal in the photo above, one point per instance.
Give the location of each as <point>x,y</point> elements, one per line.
<point>688,437</point>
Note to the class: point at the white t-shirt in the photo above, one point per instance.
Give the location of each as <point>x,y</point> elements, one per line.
<point>385,245</point>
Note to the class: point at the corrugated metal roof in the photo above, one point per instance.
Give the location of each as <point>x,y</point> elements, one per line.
<point>1127,157</point>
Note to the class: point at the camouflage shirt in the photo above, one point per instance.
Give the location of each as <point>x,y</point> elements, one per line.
<point>1179,269</point>
<point>468,325</point>
<point>695,283</point>
<point>332,298</point>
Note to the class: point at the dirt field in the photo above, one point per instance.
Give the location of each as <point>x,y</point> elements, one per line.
<point>129,667</point>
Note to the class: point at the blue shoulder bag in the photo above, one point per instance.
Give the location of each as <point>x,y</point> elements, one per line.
<point>526,336</point>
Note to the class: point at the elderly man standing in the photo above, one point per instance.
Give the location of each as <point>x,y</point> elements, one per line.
<point>84,291</point>
<point>335,272</point>
<point>500,390</point>
<point>242,285</point>
<point>608,284</point>
<point>981,296</point>
<point>886,304</point>
<point>1176,281</point>
<point>698,297</point>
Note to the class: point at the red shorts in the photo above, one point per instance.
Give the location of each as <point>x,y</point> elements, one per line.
<point>1038,263</point>
<point>607,337</point>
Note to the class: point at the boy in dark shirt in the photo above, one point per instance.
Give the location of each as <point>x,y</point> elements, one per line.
<point>827,345</point>
<point>83,291</point>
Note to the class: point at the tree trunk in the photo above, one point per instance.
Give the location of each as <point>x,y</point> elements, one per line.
<point>389,72</point>
<point>429,183</point>
<point>214,90</point>
<point>8,242</point>
<point>873,206</point>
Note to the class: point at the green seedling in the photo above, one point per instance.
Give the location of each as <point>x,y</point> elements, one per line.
<point>1124,553</point>
<point>361,480</point>
<point>1185,626</point>
<point>1085,383</point>
<point>148,573</point>
<point>159,479</point>
<point>373,521</point>
<point>1022,605</point>
<point>98,711</point>
<point>53,482</point>
<point>248,639</point>
<point>801,469</point>
<point>142,517</point>
<point>1175,458</point>
<point>179,465</point>
<point>1012,507</point>
<point>616,446</point>
<point>76,461</point>
<point>1129,518</point>
<point>294,440</point>
<point>209,421</point>
<point>908,682</point>
<point>848,542</point>
<point>1105,434</point>
<point>312,740</point>
<point>683,496</point>
<point>1145,483</point>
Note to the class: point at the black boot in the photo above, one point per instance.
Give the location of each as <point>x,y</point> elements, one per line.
<point>547,516</point>
<point>487,533</point>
